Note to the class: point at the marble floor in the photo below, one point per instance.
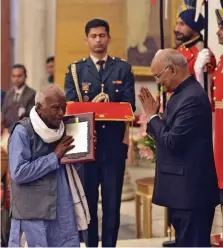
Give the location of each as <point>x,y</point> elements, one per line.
<point>127,231</point>
<point>154,242</point>
<point>127,227</point>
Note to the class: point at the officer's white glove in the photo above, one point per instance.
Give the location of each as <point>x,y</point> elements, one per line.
<point>203,58</point>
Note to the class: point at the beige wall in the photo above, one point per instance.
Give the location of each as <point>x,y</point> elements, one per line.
<point>72,17</point>
<point>35,40</point>
<point>50,27</point>
<point>35,37</point>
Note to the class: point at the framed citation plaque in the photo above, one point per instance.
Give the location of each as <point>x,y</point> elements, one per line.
<point>81,127</point>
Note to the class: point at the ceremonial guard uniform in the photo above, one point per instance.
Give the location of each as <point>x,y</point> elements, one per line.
<point>111,80</point>
<point>218,103</point>
<point>193,50</point>
<point>190,50</point>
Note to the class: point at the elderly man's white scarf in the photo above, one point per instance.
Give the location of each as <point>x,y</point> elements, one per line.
<point>48,135</point>
<point>80,203</point>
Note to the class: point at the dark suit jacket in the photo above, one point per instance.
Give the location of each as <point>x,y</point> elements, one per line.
<point>10,108</point>
<point>185,173</point>
<point>119,84</point>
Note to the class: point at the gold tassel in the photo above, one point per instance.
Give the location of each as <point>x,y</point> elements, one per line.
<point>102,97</point>
<point>126,135</point>
<point>131,153</point>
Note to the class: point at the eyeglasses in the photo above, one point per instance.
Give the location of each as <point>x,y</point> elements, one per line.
<point>157,77</point>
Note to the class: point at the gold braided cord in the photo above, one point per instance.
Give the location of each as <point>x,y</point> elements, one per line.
<point>192,40</point>
<point>101,97</point>
<point>74,74</point>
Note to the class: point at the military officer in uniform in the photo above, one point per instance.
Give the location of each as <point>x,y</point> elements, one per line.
<point>218,103</point>
<point>101,77</point>
<point>190,42</point>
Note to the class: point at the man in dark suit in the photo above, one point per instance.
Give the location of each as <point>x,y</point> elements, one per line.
<point>185,178</point>
<point>20,99</point>
<point>50,69</point>
<point>99,78</point>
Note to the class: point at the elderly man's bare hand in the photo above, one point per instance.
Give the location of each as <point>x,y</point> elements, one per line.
<point>63,146</point>
<point>149,104</point>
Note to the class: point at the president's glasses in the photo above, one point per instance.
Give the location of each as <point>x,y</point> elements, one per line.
<point>157,77</point>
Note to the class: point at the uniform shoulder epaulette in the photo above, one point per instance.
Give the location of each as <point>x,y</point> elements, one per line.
<point>120,59</point>
<point>79,61</point>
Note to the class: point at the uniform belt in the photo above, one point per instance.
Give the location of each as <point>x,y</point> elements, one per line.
<point>218,105</point>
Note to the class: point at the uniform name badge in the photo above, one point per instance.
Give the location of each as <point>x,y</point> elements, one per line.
<point>117,82</point>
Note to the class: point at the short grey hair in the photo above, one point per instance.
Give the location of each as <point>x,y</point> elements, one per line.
<point>41,94</point>
<point>175,58</point>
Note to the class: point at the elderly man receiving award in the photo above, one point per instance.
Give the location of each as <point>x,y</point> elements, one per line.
<point>44,205</point>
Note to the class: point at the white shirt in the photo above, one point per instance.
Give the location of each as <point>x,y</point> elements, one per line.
<point>95,60</point>
<point>18,92</point>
